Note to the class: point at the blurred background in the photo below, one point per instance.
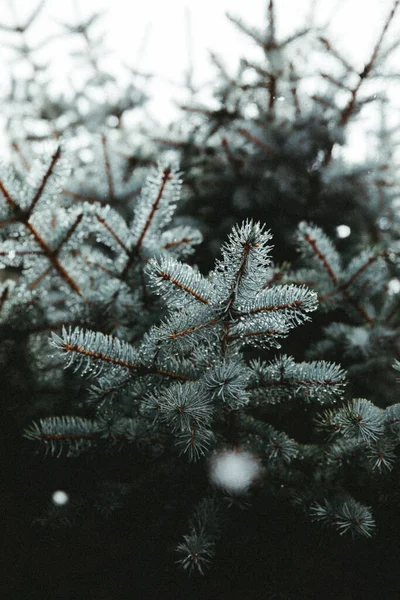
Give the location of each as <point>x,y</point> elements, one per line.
<point>172,42</point>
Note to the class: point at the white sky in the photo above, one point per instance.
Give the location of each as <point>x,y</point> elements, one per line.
<point>153,34</point>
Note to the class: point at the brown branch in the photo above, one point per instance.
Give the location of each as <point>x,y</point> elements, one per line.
<point>166,177</point>
<point>349,109</point>
<point>294,382</point>
<point>293,91</point>
<point>108,168</point>
<point>360,270</point>
<point>80,196</point>
<point>176,243</point>
<point>254,333</point>
<point>276,277</point>
<point>333,277</point>
<point>175,334</point>
<point>53,259</point>
<point>320,256</point>
<point>114,235</point>
<point>323,101</point>
<point>255,140</point>
<point>257,69</point>
<point>45,437</point>
<point>239,274</point>
<point>99,266</point>
<point>166,277</point>
<point>271,24</point>
<point>70,231</point>
<point>23,158</point>
<point>272,90</point>
<point>21,252</point>
<point>337,55</point>
<point>35,282</point>
<point>43,183</point>
<point>140,369</point>
<point>8,197</point>
<point>235,164</point>
<point>292,305</point>
<point>335,82</point>
<point>4,297</point>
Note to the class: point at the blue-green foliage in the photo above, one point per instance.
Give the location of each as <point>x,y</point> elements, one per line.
<point>118,339</point>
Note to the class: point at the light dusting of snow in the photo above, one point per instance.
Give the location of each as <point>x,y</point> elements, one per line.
<point>60,498</point>
<point>343,231</point>
<point>234,471</point>
<point>394,286</point>
<point>360,337</point>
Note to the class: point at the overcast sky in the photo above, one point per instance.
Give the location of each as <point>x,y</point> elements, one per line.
<point>158,35</point>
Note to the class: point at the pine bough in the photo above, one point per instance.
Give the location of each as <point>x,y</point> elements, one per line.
<point>175,373</point>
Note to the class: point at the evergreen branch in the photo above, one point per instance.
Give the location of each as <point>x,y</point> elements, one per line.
<point>282,378</point>
<point>167,176</point>
<point>195,441</point>
<point>328,46</point>
<point>53,259</point>
<point>275,445</point>
<point>94,350</point>
<point>271,26</point>
<point>198,547</point>
<point>335,81</point>
<point>294,91</point>
<point>78,434</point>
<point>178,334</point>
<point>77,196</point>
<point>69,232</point>
<point>257,68</point>
<point>4,296</point>
<point>108,169</point>
<point>381,454</point>
<point>39,278</point>
<point>197,550</point>
<point>113,234</point>
<point>23,218</point>
<point>255,34</point>
<point>22,28</point>
<point>246,254</point>
<point>16,147</point>
<point>295,36</point>
<point>180,406</point>
<point>346,515</point>
<point>289,300</point>
<point>234,162</point>
<point>323,101</point>
<point>255,141</point>
<point>176,243</point>
<point>56,433</point>
<point>270,334</point>
<point>8,197</point>
<point>22,252</point>
<point>54,159</point>
<point>363,267</point>
<point>392,420</point>
<point>359,419</point>
<point>349,109</point>
<point>322,249</point>
<point>175,281</point>
<point>226,383</point>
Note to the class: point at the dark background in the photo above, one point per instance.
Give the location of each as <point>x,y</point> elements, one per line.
<point>267,551</point>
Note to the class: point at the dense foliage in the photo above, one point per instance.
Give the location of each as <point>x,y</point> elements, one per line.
<point>144,321</point>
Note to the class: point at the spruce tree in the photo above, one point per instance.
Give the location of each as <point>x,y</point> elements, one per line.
<point>186,324</point>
